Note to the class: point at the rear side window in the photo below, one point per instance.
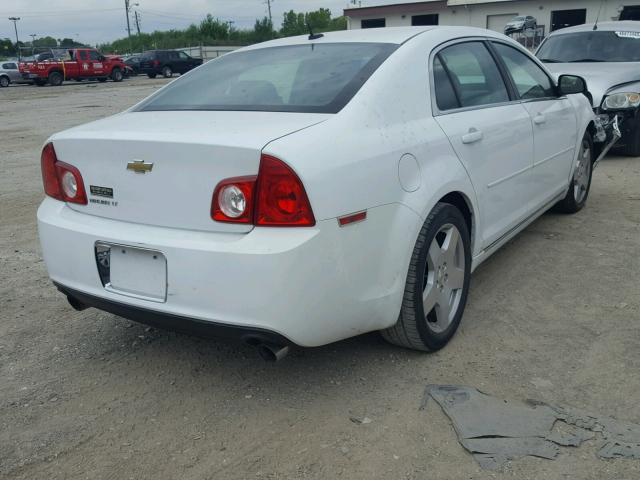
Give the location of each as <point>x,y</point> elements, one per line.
<point>530,81</point>
<point>474,74</point>
<point>314,78</point>
<point>445,95</point>
<point>10,66</point>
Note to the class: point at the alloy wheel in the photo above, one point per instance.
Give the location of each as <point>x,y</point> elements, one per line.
<point>443,278</point>
<point>582,173</point>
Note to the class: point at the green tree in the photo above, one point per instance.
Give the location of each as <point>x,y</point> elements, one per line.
<point>263,30</point>
<point>7,48</point>
<point>45,42</point>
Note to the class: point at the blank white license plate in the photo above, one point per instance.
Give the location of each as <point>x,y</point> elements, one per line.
<point>138,272</point>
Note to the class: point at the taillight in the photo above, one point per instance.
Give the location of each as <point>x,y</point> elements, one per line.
<point>233,200</point>
<point>275,198</point>
<point>156,63</point>
<point>280,196</point>
<point>61,180</point>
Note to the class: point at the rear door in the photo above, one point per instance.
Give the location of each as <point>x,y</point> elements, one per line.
<point>553,119</point>
<point>489,130</point>
<point>186,62</point>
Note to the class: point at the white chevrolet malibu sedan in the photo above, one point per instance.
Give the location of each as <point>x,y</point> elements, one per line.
<point>309,189</point>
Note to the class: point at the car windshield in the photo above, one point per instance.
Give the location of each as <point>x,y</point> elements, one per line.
<point>518,19</point>
<point>592,46</point>
<point>314,78</point>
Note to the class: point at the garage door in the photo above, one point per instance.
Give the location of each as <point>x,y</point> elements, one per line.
<point>497,22</point>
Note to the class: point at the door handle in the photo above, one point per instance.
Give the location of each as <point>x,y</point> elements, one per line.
<point>539,119</point>
<point>474,135</point>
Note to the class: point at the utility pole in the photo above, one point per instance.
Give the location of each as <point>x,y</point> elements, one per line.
<point>15,26</point>
<point>127,9</point>
<point>33,37</point>
<point>269,7</point>
<point>136,16</point>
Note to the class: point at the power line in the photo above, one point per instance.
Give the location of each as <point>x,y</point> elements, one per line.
<point>60,13</point>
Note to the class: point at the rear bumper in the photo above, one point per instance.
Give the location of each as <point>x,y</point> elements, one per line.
<point>167,321</point>
<point>312,286</point>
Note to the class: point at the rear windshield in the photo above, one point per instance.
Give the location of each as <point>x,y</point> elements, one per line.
<point>592,46</point>
<point>299,78</point>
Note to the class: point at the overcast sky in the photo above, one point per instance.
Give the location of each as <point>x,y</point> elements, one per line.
<point>97,21</point>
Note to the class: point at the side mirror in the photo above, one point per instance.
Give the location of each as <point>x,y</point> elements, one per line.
<point>570,84</point>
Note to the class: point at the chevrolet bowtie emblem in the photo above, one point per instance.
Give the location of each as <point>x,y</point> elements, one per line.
<point>139,166</point>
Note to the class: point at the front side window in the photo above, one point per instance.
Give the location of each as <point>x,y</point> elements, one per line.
<point>530,81</point>
<point>93,55</point>
<point>474,75</point>
<point>10,66</point>
<point>183,56</point>
<point>314,78</point>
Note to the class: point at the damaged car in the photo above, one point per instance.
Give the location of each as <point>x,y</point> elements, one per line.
<point>607,56</point>
<point>313,188</point>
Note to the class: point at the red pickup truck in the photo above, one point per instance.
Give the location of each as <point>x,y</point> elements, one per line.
<point>74,64</point>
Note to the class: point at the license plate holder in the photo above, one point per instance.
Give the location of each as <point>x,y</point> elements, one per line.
<point>132,271</point>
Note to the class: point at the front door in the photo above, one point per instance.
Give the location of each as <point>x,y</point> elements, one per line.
<point>97,64</point>
<point>553,120</point>
<point>490,132</point>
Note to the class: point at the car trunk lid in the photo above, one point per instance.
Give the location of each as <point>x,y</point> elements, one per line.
<point>183,155</point>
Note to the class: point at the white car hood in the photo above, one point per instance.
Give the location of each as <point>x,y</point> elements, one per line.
<point>600,76</point>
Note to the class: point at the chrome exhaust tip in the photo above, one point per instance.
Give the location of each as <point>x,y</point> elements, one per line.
<point>272,353</point>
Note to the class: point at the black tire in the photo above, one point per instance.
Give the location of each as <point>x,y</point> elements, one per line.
<point>415,329</point>
<point>151,75</point>
<point>55,79</point>
<point>4,81</point>
<point>116,75</point>
<point>576,197</point>
<point>167,72</point>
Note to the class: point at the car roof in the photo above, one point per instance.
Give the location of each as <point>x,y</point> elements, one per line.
<point>393,35</point>
<point>623,25</point>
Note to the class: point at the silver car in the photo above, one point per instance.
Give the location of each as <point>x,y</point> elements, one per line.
<point>607,56</point>
<point>520,24</point>
<point>9,73</point>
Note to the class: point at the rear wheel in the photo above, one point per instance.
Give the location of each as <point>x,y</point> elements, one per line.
<point>437,283</point>
<point>116,75</point>
<point>579,190</point>
<point>55,79</point>
<point>167,72</point>
<point>4,81</point>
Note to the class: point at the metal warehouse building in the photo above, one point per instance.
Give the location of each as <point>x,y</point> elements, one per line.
<point>492,14</point>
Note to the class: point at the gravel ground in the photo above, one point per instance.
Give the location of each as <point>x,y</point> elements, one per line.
<point>553,316</point>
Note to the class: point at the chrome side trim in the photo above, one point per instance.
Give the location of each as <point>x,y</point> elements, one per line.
<point>568,149</point>
<point>496,244</point>
<point>511,175</point>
